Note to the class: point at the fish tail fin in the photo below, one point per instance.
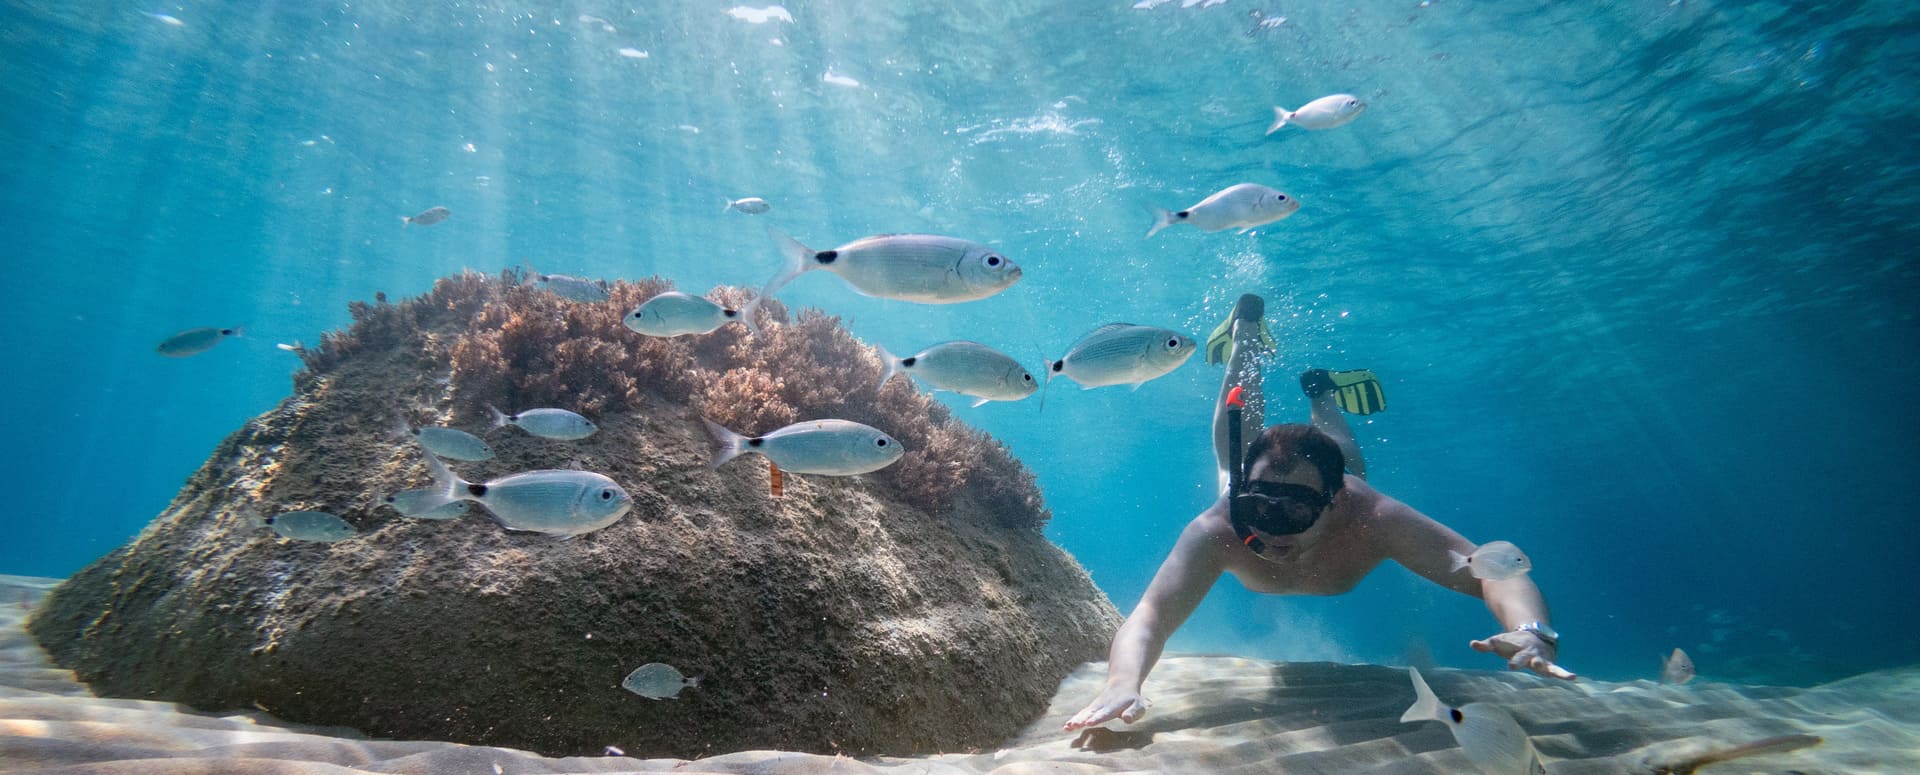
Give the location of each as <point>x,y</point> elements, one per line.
<point>1280,118</point>
<point>405,221</point>
<point>694,682</point>
<point>723,210</point>
<point>794,257</point>
<point>747,312</point>
<point>732,444</point>
<point>1459,561</point>
<point>1426,707</point>
<point>447,485</point>
<point>1162,218</point>
<point>499,418</point>
<point>889,365</point>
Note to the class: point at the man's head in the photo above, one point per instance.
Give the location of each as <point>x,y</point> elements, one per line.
<point>1283,448</point>
<point>1292,473</point>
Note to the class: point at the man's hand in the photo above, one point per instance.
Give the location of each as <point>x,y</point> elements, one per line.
<point>1523,651</point>
<point>1113,703</point>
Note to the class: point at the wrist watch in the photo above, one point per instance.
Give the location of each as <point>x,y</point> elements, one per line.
<point>1543,630</point>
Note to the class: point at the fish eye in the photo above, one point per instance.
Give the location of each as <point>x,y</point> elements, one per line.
<point>1027,377</point>
<point>993,260</point>
<point>880,442</point>
<point>606,495</point>
<point>1172,343</point>
<point>1351,103</point>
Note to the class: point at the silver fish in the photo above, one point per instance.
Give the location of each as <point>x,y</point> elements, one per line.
<point>558,424</point>
<point>1122,354</point>
<point>427,217</point>
<point>555,502</point>
<point>751,205</point>
<point>909,267</point>
<point>1488,735</point>
<point>967,368</point>
<point>428,503</point>
<point>450,443</point>
<point>1324,113</point>
<point>1242,206</point>
<point>657,681</point>
<point>311,526</point>
<point>674,313</point>
<point>194,341</point>
<point>1677,668</point>
<point>575,288</point>
<point>1493,561</point>
<point>830,447</point>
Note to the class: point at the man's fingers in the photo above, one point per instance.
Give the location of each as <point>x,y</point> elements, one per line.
<point>1483,646</point>
<point>1555,671</point>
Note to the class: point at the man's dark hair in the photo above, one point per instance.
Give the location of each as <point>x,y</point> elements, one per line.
<point>1291,443</point>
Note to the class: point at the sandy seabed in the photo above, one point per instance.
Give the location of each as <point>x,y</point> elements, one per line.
<point>1210,715</point>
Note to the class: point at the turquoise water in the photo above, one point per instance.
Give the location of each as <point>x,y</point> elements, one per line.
<point>1639,279</point>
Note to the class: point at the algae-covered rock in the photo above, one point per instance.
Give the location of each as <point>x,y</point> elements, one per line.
<point>916,609</point>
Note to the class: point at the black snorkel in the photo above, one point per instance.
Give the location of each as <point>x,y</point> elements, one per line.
<point>1236,475</point>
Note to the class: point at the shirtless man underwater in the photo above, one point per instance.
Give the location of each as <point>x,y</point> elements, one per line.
<point>1306,527</point>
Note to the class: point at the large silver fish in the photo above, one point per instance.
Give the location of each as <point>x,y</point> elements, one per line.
<point>751,205</point>
<point>426,503</point>
<point>558,424</point>
<point>967,368</point>
<point>569,287</point>
<point>829,447</point>
<point>674,313</point>
<point>1488,735</point>
<point>1493,561</point>
<point>658,681</point>
<point>1324,113</point>
<point>1122,354</point>
<point>555,502</point>
<point>448,443</point>
<point>194,341</point>
<point>311,526</point>
<point>427,217</point>
<point>910,267</point>
<point>1241,206</point>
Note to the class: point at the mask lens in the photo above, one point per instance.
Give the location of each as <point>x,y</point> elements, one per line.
<point>1282,509</point>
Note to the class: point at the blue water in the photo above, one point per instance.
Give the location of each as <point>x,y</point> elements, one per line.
<point>1639,279</point>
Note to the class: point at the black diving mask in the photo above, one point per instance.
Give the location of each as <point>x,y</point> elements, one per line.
<point>1280,508</point>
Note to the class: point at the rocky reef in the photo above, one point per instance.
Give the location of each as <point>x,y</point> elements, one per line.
<point>914,610</point>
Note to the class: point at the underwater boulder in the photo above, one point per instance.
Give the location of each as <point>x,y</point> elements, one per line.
<point>917,609</point>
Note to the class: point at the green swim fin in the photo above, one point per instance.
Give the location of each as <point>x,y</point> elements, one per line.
<point>1250,308</point>
<point>1357,391</point>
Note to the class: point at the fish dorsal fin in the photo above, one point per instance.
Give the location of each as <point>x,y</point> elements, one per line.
<point>1110,327</point>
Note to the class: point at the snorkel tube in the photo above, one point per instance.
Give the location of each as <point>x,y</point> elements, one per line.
<point>1236,474</point>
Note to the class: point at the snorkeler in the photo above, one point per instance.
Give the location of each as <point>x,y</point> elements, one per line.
<point>1292,520</point>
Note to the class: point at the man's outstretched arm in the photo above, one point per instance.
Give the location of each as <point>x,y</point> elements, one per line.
<point>1182,582</point>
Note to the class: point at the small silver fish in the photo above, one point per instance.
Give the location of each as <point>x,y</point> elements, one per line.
<point>829,447</point>
<point>1488,735</point>
<point>555,502</point>
<point>1242,206</point>
<point>657,681</point>
<point>1324,113</point>
<point>194,341</point>
<point>575,288</point>
<point>1122,354</point>
<point>311,526</point>
<point>967,368</point>
<point>1677,668</point>
<point>1493,561</point>
<point>558,424</point>
<point>427,217</point>
<point>449,443</point>
<point>674,313</point>
<point>427,503</point>
<point>910,267</point>
<point>751,205</point>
